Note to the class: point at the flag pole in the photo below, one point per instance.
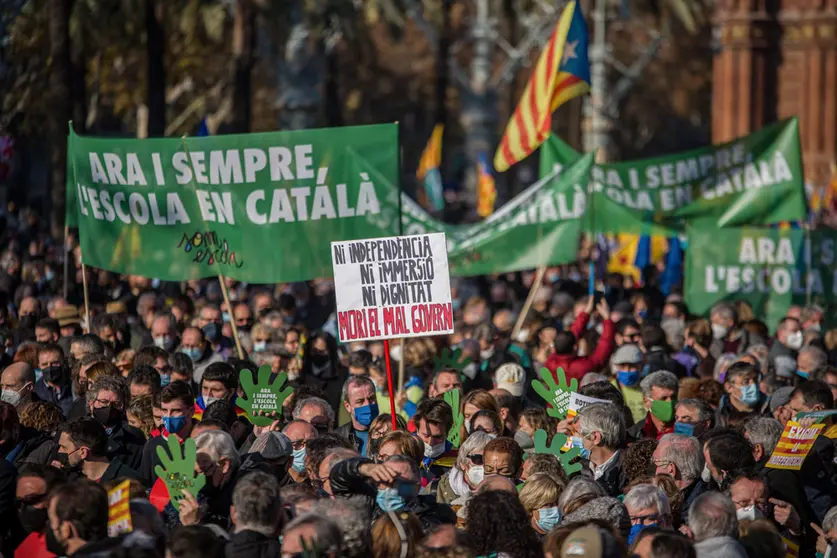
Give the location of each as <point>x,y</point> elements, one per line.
<point>66,261</point>
<point>221,279</point>
<point>86,299</point>
<point>400,233</point>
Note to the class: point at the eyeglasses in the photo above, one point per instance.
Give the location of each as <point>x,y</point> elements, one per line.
<point>643,519</point>
<point>107,403</point>
<point>299,444</point>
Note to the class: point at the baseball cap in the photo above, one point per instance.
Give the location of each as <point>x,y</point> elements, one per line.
<point>781,396</point>
<point>590,542</point>
<point>510,377</point>
<point>627,354</point>
<point>272,445</point>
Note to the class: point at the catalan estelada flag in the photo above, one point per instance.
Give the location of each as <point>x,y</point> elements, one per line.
<point>428,169</point>
<point>486,189</point>
<point>562,73</point>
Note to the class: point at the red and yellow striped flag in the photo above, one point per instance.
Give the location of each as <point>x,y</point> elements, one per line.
<point>562,73</point>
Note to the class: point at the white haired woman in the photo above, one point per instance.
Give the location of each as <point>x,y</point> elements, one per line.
<point>218,460</point>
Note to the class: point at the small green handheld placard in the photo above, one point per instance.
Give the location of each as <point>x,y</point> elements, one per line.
<point>450,359</point>
<point>452,398</point>
<point>557,395</point>
<point>177,469</point>
<point>262,395</point>
<point>558,442</point>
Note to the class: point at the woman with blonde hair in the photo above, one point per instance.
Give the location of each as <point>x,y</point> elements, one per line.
<point>141,414</point>
<point>396,540</point>
<point>399,443</point>
<point>532,420</point>
<point>476,401</point>
<point>380,427</point>
<point>98,369</point>
<point>539,496</point>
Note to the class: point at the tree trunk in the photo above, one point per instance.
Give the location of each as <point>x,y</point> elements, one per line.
<point>60,85</point>
<point>155,48</point>
<point>442,55</point>
<point>333,105</point>
<point>300,77</point>
<point>79,94</point>
<point>244,47</point>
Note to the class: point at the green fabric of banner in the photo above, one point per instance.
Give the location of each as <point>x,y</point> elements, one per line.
<point>766,267</point>
<point>258,207</point>
<point>754,180</point>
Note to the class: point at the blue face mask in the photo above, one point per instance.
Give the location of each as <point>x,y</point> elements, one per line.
<point>38,375</point>
<point>684,428</point>
<point>627,377</point>
<point>212,332</point>
<point>750,394</point>
<point>192,352</point>
<point>802,374</point>
<point>299,460</point>
<point>548,518</point>
<point>366,414</point>
<point>226,317</point>
<point>388,500</point>
<point>174,424</point>
<point>635,531</point>
<point>165,379</point>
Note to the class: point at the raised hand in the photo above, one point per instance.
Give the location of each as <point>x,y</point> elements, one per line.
<point>263,399</point>
<point>556,394</point>
<point>452,398</point>
<point>177,469</point>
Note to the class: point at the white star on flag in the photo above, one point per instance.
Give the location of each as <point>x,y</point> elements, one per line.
<point>569,52</point>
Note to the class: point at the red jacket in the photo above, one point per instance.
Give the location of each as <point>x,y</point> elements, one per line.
<point>575,366</point>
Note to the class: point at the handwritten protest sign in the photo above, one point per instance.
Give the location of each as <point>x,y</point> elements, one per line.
<point>392,287</point>
<point>119,512</point>
<point>793,446</point>
<point>578,402</point>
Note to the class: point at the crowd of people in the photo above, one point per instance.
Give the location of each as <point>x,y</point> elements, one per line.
<point>671,462</point>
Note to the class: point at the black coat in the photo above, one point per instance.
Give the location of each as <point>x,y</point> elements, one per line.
<point>250,544</point>
<point>614,479</point>
<point>657,358</point>
<point>126,443</point>
<point>347,431</point>
<point>11,531</point>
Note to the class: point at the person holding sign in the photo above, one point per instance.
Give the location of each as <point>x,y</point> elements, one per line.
<point>603,434</point>
<point>659,392</point>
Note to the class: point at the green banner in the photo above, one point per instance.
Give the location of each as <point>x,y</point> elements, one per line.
<point>754,180</point>
<point>541,226</point>
<point>769,268</point>
<point>258,207</point>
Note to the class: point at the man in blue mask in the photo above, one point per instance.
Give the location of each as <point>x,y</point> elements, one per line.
<point>178,405</point>
<point>360,401</point>
<point>743,396</point>
<point>625,365</point>
<point>647,506</point>
<point>193,344</point>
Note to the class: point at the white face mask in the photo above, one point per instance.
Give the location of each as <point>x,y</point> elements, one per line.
<point>468,426</point>
<point>706,475</point>
<point>163,342</point>
<point>795,340</point>
<point>11,397</point>
<point>433,451</point>
<point>476,474</point>
<point>487,353</point>
<point>719,331</point>
<point>207,401</point>
<point>259,346</point>
<point>750,512</point>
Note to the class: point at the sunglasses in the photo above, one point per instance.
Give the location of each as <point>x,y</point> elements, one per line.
<point>476,458</point>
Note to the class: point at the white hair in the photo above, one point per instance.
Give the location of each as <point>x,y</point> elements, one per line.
<point>578,487</point>
<point>217,444</point>
<point>606,418</point>
<point>685,452</point>
<point>475,443</point>
<point>648,496</point>
<point>327,410</point>
<point>712,515</point>
<point>660,378</point>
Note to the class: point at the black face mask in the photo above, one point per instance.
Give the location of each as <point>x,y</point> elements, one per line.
<point>53,544</point>
<point>28,321</point>
<point>54,374</point>
<point>319,359</point>
<point>108,416</point>
<point>33,519</point>
<point>64,460</point>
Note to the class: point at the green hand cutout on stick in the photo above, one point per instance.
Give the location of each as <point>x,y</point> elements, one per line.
<point>556,394</point>
<point>452,398</point>
<point>262,398</point>
<point>558,442</point>
<point>450,359</point>
<point>177,469</point>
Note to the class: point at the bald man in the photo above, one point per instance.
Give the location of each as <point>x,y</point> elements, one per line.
<point>18,383</point>
<point>497,482</point>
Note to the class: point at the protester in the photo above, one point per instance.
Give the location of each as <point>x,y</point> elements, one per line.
<point>659,392</point>
<point>83,450</point>
<point>714,527</point>
<point>626,364</point>
<point>602,426</point>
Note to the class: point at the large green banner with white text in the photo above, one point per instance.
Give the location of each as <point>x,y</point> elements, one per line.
<point>769,268</point>
<point>257,207</point>
<point>754,180</point>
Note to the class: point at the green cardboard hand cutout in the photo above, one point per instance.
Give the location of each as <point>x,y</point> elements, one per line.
<point>177,469</point>
<point>558,442</point>
<point>556,394</point>
<point>452,398</point>
<point>262,395</point>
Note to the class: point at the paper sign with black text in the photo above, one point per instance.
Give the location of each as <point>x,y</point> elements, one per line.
<point>392,287</point>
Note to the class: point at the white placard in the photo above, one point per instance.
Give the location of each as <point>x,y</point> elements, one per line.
<point>392,287</point>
